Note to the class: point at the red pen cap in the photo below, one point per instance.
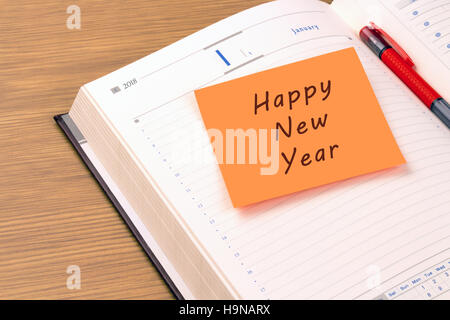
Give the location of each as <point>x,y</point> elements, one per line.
<point>393,44</point>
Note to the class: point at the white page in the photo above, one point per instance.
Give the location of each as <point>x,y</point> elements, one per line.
<point>421,27</point>
<point>313,244</point>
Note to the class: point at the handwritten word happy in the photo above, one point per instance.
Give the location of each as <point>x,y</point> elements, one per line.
<point>294,96</point>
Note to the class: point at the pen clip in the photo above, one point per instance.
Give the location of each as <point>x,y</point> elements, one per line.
<point>394,44</point>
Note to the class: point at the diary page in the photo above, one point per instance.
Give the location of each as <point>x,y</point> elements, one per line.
<point>320,243</point>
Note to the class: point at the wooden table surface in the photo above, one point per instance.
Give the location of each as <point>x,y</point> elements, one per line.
<point>52,212</point>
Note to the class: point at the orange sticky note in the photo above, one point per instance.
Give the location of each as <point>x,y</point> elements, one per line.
<point>296,127</point>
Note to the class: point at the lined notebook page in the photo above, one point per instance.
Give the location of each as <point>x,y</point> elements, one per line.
<point>321,243</point>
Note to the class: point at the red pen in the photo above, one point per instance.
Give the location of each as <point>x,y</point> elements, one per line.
<point>401,64</point>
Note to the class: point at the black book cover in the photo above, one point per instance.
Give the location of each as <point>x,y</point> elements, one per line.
<point>76,138</point>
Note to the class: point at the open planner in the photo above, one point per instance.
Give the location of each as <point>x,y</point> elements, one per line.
<point>384,235</point>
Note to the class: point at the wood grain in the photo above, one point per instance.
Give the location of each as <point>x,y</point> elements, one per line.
<point>52,212</point>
